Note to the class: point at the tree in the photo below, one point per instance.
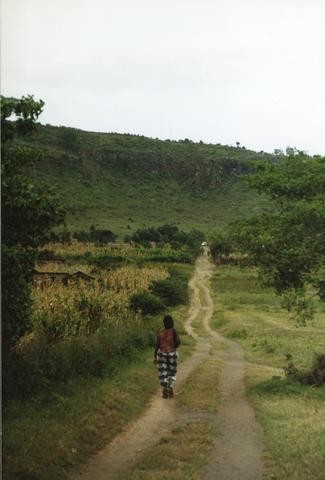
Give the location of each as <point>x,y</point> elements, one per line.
<point>28,213</point>
<point>220,245</point>
<point>287,242</point>
<point>278,151</point>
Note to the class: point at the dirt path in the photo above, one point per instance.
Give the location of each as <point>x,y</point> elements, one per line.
<point>239,445</point>
<point>238,451</point>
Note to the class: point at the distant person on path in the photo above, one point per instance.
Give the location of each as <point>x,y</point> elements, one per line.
<point>166,356</point>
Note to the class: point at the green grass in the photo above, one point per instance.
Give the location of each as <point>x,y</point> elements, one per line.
<point>44,441</point>
<point>127,204</point>
<point>125,182</point>
<point>292,415</point>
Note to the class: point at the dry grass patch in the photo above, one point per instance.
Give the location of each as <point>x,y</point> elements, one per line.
<point>293,417</point>
<point>201,390</point>
<point>199,328</point>
<point>181,455</point>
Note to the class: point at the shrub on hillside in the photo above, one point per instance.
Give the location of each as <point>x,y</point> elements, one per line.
<point>145,236</point>
<point>169,234</point>
<point>220,246</point>
<point>99,236</point>
<point>147,303</point>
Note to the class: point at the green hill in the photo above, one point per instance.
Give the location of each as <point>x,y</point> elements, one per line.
<point>123,182</point>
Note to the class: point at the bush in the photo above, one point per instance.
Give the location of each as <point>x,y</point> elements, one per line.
<point>147,303</point>
<point>173,290</point>
<point>45,364</point>
<point>169,234</point>
<point>315,376</point>
<point>99,236</point>
<point>278,386</point>
<point>170,291</point>
<point>220,246</point>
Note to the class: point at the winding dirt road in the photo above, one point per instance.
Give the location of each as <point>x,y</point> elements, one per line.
<point>238,449</point>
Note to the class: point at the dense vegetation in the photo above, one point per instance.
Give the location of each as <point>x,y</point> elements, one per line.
<point>95,235</point>
<point>163,293</point>
<point>287,243</point>
<point>54,330</point>
<point>169,234</point>
<point>28,213</point>
<point>126,182</point>
<point>199,166</point>
<point>87,327</point>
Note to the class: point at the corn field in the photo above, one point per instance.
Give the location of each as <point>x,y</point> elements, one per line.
<point>84,249</point>
<point>61,312</point>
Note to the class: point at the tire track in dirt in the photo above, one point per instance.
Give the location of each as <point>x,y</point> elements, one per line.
<point>239,443</point>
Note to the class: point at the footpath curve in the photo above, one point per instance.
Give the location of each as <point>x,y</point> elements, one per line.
<point>239,443</point>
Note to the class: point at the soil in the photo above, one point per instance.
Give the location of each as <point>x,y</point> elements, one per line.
<point>238,453</point>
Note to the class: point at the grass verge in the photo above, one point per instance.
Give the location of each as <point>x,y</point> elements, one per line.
<point>45,441</point>
<point>200,392</point>
<point>292,415</point>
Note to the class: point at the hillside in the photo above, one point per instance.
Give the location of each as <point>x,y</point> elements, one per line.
<point>123,182</point>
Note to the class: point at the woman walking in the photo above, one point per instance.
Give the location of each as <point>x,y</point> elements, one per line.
<point>166,356</point>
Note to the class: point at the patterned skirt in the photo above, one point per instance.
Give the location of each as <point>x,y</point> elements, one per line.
<point>167,368</point>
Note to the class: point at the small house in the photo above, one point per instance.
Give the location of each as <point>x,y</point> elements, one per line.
<point>46,279</point>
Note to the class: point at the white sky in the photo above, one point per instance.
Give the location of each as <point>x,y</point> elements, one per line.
<point>223,71</point>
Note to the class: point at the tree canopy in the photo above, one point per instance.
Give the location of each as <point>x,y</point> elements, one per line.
<point>28,213</point>
<point>287,242</point>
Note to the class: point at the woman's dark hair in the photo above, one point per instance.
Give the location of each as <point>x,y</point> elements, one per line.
<point>168,321</point>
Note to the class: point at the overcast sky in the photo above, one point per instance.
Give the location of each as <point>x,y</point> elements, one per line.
<point>223,71</point>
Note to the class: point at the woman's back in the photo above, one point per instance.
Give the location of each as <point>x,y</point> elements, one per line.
<point>166,341</point>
